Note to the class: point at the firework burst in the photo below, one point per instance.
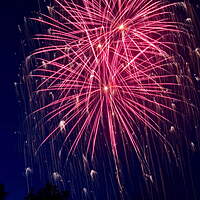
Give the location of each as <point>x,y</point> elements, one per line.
<point>109,66</point>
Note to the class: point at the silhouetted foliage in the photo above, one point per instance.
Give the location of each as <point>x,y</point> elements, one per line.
<point>2,192</point>
<point>49,192</point>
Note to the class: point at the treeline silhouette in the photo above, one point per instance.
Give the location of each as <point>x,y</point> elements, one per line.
<point>3,194</point>
<point>48,192</point>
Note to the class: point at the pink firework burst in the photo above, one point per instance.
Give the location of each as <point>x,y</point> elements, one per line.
<point>110,65</point>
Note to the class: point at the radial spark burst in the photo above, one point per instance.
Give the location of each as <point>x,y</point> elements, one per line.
<point>109,66</point>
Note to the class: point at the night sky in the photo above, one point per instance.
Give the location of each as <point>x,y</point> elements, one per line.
<point>11,152</point>
<point>12,161</point>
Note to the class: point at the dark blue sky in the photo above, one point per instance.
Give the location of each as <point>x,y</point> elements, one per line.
<point>12,160</point>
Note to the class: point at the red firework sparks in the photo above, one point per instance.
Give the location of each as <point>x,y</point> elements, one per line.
<point>108,63</point>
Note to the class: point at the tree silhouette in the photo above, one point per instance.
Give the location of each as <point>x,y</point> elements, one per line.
<point>49,192</point>
<point>2,192</point>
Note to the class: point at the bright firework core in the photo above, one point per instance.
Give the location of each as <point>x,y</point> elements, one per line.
<point>121,27</point>
<point>105,88</point>
<point>99,46</point>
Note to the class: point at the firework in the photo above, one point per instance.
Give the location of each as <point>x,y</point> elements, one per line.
<point>109,66</point>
